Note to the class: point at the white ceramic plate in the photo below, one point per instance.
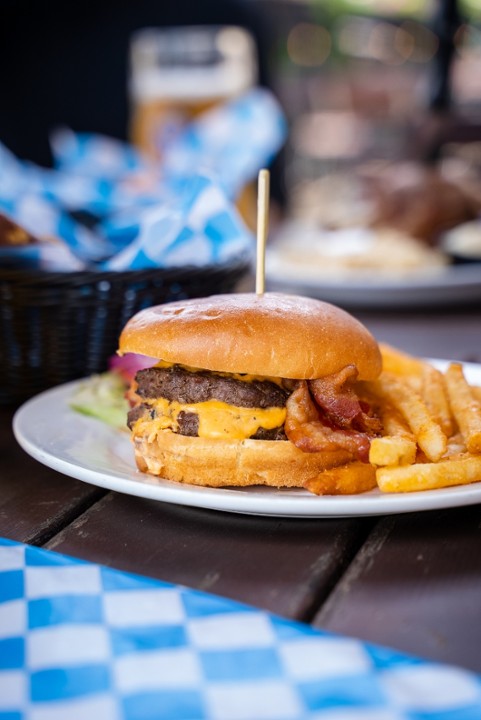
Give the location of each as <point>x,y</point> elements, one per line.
<point>455,284</point>
<point>86,449</point>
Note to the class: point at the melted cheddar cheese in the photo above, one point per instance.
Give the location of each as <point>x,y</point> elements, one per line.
<point>216,419</point>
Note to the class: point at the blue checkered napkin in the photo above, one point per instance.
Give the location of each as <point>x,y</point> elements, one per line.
<point>89,155</point>
<point>231,142</point>
<point>198,225</point>
<point>79,641</point>
<point>101,175</point>
<point>103,198</point>
<point>39,200</point>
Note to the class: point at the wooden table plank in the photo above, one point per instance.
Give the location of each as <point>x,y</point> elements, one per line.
<point>283,565</point>
<point>416,586</point>
<point>35,502</point>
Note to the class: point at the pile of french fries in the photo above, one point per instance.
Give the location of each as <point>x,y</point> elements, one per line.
<point>431,427</point>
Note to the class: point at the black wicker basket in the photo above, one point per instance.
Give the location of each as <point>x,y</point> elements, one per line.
<point>56,327</point>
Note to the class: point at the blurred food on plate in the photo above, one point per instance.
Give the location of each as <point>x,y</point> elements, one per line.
<point>305,250</point>
<point>21,250</point>
<point>335,200</point>
<point>395,218</point>
<point>17,245</point>
<point>420,200</point>
<point>12,235</point>
<point>463,243</point>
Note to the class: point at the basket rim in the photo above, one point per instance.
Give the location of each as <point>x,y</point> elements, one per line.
<point>39,276</point>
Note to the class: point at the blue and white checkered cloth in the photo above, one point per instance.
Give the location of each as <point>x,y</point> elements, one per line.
<point>78,641</point>
<point>197,227</point>
<point>102,196</point>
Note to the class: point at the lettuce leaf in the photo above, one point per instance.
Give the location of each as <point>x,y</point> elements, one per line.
<point>103,397</point>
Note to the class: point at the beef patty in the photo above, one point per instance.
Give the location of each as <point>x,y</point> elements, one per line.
<point>187,387</point>
<point>176,383</point>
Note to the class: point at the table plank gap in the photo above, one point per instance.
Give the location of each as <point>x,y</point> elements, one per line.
<point>44,533</point>
<point>352,545</point>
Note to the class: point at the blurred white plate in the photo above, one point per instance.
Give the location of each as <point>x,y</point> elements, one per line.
<point>455,284</point>
<point>86,449</point>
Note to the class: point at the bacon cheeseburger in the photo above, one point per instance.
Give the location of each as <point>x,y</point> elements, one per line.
<point>250,390</point>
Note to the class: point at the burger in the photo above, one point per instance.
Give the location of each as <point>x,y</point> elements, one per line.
<point>250,390</point>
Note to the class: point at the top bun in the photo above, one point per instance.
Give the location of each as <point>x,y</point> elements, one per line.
<point>272,334</point>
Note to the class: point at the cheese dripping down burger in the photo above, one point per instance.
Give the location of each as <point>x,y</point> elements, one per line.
<point>250,390</point>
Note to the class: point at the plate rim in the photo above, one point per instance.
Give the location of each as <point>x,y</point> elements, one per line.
<point>267,502</point>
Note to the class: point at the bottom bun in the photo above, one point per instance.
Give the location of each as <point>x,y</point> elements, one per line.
<point>221,463</point>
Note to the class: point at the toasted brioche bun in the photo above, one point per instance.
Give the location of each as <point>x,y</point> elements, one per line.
<point>221,463</point>
<point>272,334</point>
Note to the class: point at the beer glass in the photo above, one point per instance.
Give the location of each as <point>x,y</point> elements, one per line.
<point>178,72</point>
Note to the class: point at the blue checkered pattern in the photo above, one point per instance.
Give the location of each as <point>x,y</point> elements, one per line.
<point>100,196</point>
<point>79,641</point>
<point>216,143</point>
<point>197,226</point>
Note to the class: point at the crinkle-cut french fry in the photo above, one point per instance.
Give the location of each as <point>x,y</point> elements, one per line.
<point>476,390</point>
<point>399,362</point>
<point>430,476</point>
<point>392,450</point>
<point>350,479</point>
<point>434,394</point>
<point>429,435</point>
<point>465,407</point>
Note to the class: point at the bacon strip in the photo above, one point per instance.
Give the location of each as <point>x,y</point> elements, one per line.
<point>335,395</point>
<point>304,428</point>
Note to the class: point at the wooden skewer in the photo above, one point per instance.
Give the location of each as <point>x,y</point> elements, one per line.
<point>262,228</point>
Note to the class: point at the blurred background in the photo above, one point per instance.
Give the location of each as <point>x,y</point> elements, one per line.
<point>367,112</point>
<point>376,80</point>
<point>390,79</point>
<point>357,79</point>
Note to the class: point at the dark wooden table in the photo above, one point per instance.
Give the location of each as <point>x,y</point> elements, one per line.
<point>412,582</point>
